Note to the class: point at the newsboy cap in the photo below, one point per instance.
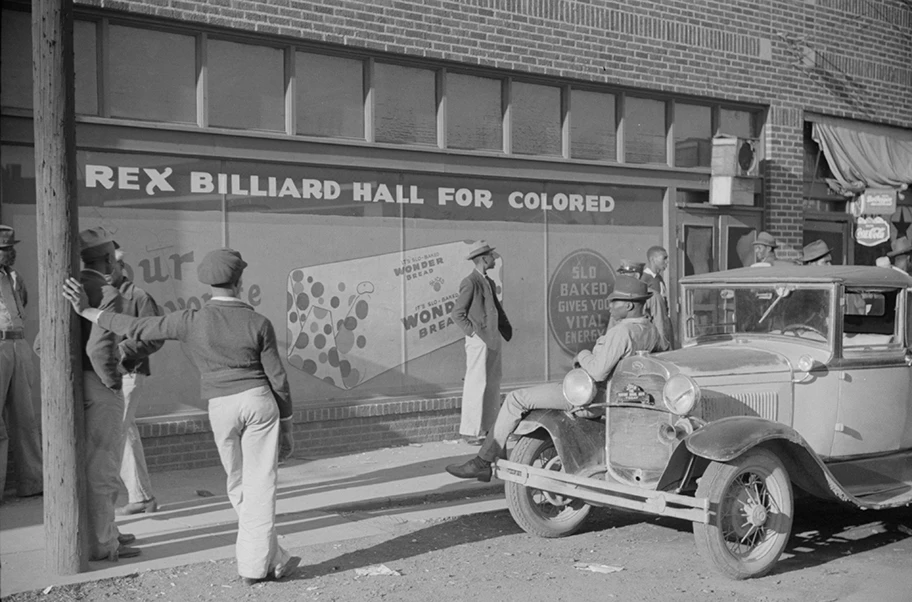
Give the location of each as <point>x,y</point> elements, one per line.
<point>814,251</point>
<point>479,248</point>
<point>7,237</point>
<point>765,238</point>
<point>221,266</point>
<point>900,246</point>
<point>95,243</point>
<point>628,288</point>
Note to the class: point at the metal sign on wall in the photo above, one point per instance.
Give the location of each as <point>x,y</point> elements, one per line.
<point>872,231</point>
<point>877,202</point>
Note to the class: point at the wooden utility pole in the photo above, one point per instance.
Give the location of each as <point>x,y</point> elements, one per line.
<point>65,523</point>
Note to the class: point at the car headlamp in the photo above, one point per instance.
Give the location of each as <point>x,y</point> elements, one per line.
<point>578,388</point>
<point>680,394</point>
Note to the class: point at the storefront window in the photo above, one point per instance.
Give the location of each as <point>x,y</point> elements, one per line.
<point>16,66</point>
<point>593,131</point>
<point>330,96</point>
<point>743,124</point>
<point>153,75</point>
<point>644,122</point>
<point>246,86</point>
<point>405,107</point>
<point>536,119</point>
<point>474,113</point>
<point>692,135</point>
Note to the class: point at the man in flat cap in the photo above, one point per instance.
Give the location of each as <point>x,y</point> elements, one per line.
<point>764,250</point>
<point>134,364</point>
<point>902,254</point>
<point>633,332</point>
<point>816,253</point>
<point>102,385</point>
<point>19,422</point>
<point>250,408</point>
<point>481,317</point>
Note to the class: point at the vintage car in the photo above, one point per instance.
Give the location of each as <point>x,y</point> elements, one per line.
<point>789,379</point>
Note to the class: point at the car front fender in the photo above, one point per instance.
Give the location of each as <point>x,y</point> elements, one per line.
<point>580,442</point>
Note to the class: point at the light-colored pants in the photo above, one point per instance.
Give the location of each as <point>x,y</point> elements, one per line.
<point>104,410</point>
<point>246,430</point>
<point>517,404</point>
<point>23,427</point>
<point>133,470</point>
<point>481,389</point>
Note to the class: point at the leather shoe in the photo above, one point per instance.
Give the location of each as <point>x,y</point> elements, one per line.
<point>126,539</point>
<point>127,552</point>
<point>147,506</point>
<point>476,441</point>
<point>476,468</point>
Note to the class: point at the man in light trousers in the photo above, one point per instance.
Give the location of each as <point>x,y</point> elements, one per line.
<point>479,314</point>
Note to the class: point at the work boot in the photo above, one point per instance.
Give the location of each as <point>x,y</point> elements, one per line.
<point>476,468</point>
<point>126,539</point>
<point>146,506</point>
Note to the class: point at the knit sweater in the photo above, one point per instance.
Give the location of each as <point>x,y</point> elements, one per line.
<point>233,347</point>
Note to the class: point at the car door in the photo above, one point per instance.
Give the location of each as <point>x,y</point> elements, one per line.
<point>875,378</point>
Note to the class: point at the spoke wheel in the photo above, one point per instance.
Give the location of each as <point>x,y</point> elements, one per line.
<point>752,507</point>
<point>540,512</point>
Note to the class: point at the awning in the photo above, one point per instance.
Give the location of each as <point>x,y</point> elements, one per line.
<point>863,155</point>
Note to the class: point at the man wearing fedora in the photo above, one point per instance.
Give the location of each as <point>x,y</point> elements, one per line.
<point>19,421</point>
<point>102,384</point>
<point>481,317</point>
<point>764,250</point>
<point>902,255</point>
<point>633,332</point>
<point>816,253</point>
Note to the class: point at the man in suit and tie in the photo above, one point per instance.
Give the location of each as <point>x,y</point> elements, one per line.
<point>656,264</point>
<point>481,317</point>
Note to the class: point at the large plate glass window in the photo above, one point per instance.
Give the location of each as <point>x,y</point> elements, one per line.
<point>593,131</point>
<point>692,135</point>
<point>474,113</point>
<point>153,75</point>
<point>405,107</point>
<point>330,96</point>
<point>645,130</point>
<point>536,119</point>
<point>246,86</point>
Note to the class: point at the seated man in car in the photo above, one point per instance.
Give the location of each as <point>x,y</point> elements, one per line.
<point>632,332</point>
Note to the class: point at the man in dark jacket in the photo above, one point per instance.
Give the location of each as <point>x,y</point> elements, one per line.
<point>480,315</point>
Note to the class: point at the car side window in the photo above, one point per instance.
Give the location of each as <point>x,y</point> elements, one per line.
<point>870,318</point>
<point>909,319</point>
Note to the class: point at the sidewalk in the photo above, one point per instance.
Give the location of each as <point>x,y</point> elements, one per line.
<point>193,526</point>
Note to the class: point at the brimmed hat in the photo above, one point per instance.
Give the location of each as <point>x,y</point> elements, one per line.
<point>221,266</point>
<point>882,262</point>
<point>479,248</point>
<point>95,243</point>
<point>814,251</point>
<point>7,236</point>
<point>900,246</point>
<point>628,266</point>
<point>628,288</point>
<point>765,238</point>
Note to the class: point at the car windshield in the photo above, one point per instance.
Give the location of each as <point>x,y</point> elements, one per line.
<point>780,309</point>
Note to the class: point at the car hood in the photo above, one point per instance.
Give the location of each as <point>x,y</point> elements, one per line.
<point>726,359</point>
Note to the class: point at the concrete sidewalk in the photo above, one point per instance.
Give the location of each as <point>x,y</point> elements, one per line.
<point>195,521</point>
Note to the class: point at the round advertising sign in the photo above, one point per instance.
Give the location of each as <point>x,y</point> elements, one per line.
<point>577,300</point>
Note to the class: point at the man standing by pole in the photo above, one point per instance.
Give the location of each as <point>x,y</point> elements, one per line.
<point>481,317</point>
<point>15,368</point>
<point>134,363</point>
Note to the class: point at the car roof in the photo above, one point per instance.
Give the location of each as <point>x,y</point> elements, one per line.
<point>850,275</point>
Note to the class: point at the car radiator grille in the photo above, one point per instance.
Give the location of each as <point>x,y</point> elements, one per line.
<point>636,455</point>
<point>715,405</point>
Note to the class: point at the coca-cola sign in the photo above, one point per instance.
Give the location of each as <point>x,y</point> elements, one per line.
<point>872,231</point>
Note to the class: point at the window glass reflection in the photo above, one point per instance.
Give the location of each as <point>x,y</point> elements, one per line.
<point>330,98</point>
<point>692,135</point>
<point>153,75</point>
<point>593,132</point>
<point>644,130</point>
<point>738,123</point>
<point>474,118</point>
<point>246,86</point>
<point>405,107</point>
<point>536,119</point>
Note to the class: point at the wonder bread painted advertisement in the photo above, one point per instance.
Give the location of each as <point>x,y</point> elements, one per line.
<point>350,321</point>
